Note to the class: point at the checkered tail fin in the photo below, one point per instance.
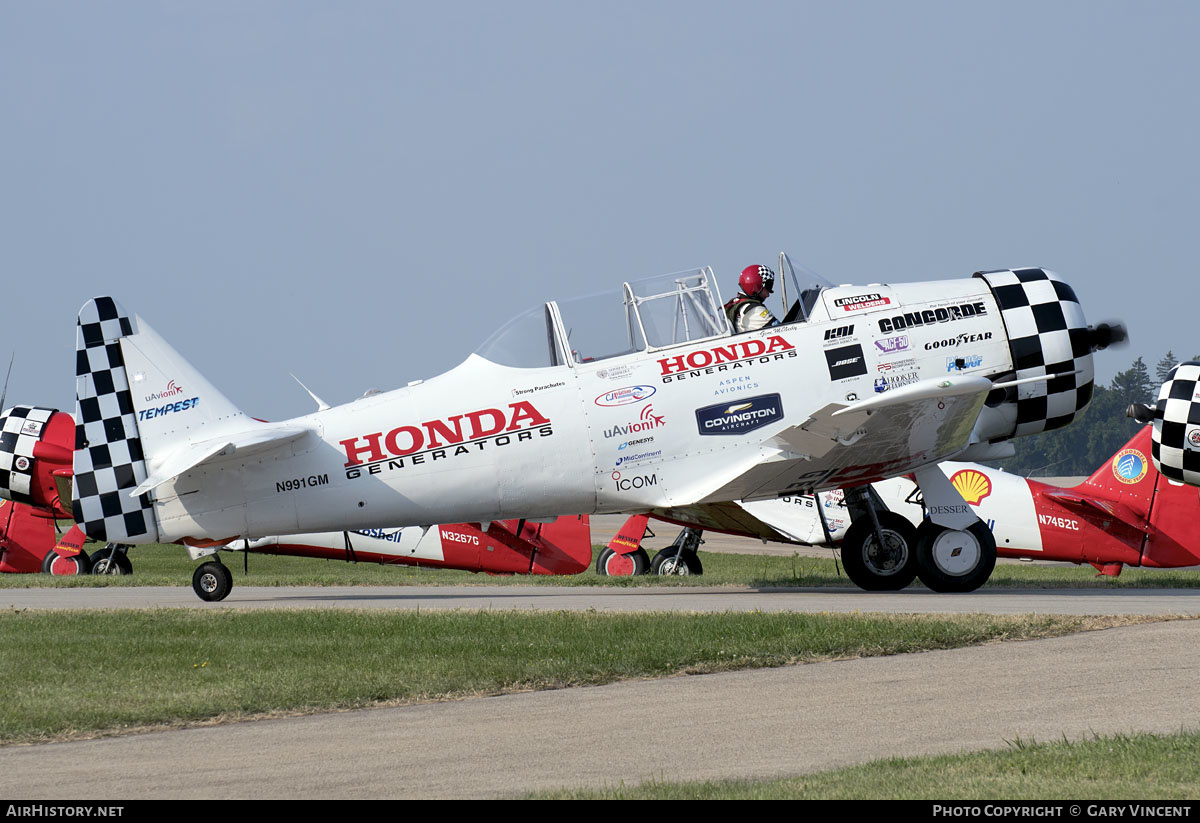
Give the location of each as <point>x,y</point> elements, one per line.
<point>136,401</point>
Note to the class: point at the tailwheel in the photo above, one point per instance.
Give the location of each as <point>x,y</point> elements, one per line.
<point>212,581</point>
<point>955,560</point>
<point>876,566</point>
<point>111,560</point>
<point>611,564</point>
<point>56,564</point>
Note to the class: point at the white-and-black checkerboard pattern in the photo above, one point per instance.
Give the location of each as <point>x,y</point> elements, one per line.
<point>1177,417</point>
<point>1047,334</point>
<point>22,428</point>
<point>108,451</point>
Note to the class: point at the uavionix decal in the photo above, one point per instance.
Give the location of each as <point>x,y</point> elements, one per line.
<point>460,434</point>
<point>737,355</point>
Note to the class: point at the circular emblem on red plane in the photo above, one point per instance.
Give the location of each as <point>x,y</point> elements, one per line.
<point>1194,438</point>
<point>22,463</point>
<point>1129,466</point>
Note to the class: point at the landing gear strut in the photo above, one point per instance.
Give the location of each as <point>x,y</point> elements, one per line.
<point>680,557</point>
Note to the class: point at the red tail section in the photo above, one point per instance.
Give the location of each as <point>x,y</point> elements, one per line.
<point>629,538</point>
<point>25,538</point>
<point>1128,477</point>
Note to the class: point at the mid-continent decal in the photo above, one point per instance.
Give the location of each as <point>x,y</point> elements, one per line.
<point>741,417</point>
<point>930,317</point>
<point>454,436</point>
<point>739,355</point>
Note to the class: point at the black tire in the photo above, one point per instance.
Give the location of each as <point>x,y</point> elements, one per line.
<point>611,564</point>
<point>110,560</point>
<point>212,581</point>
<point>52,563</point>
<point>876,570</point>
<point>664,563</point>
<point>952,560</point>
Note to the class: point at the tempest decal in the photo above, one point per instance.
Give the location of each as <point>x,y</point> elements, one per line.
<point>721,358</point>
<point>739,418</point>
<point>647,420</point>
<point>170,408</point>
<point>1129,466</point>
<point>311,481</point>
<point>845,362</point>
<point>929,317</point>
<point>625,397</point>
<point>862,301</point>
<point>972,484</point>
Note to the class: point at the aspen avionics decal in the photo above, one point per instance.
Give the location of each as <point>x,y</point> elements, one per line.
<point>456,436</point>
<point>1129,466</point>
<point>742,354</point>
<point>972,484</point>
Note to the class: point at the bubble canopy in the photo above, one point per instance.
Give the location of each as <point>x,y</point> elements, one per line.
<point>638,316</point>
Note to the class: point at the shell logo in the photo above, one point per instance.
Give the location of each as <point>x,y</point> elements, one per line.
<point>973,485</point>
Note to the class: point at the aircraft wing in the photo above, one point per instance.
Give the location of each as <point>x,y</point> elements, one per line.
<point>731,517</point>
<point>1099,512</point>
<point>190,455</point>
<point>860,442</point>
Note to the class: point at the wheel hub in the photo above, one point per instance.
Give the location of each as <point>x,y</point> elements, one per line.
<point>956,552</point>
<point>888,558</point>
<point>208,582</point>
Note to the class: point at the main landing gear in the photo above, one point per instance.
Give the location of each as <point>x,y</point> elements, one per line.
<point>212,581</point>
<point>112,559</point>
<point>879,549</point>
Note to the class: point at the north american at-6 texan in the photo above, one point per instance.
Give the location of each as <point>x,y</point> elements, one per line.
<point>637,400</point>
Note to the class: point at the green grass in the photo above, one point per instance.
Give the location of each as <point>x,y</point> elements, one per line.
<point>1122,767</point>
<point>71,674</point>
<point>168,565</point>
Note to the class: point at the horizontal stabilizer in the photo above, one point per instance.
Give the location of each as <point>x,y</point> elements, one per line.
<point>189,456</point>
<point>1097,511</point>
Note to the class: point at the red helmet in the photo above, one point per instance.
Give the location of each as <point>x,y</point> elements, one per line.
<point>756,278</point>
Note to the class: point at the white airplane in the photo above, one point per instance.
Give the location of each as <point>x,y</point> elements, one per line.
<point>1175,442</point>
<point>638,400</point>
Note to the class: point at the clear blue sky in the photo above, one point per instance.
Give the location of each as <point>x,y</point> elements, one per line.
<point>360,192</point>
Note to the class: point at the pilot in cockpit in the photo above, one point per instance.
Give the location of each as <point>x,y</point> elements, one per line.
<point>747,311</point>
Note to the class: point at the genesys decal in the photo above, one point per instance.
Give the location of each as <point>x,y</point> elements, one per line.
<point>892,345</point>
<point>845,362</point>
<point>862,301</point>
<point>966,361</point>
<point>647,421</point>
<point>446,438</point>
<point>738,355</point>
<point>1129,466</point>
<point>641,441</point>
<point>960,340</point>
<point>626,396</point>
<point>740,417</point>
<point>972,484</point>
<point>170,408</point>
<point>930,317</point>
<point>535,389</point>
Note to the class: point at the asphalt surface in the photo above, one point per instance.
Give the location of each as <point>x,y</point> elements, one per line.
<point>753,724</point>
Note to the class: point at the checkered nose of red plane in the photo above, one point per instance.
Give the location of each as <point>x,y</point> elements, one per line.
<point>35,455</point>
<point>1175,441</point>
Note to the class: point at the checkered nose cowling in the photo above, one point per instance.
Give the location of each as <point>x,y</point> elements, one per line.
<point>108,450</point>
<point>31,449</point>
<point>1175,441</point>
<point>1047,335</point>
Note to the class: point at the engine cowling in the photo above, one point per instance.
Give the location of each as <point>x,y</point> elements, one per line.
<point>36,450</point>
<point>1175,441</point>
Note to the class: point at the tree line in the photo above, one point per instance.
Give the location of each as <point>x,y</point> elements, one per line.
<point>1081,447</point>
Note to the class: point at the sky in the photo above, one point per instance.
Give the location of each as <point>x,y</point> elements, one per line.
<point>359,193</point>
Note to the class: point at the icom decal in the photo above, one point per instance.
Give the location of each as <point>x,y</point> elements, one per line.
<point>739,418</point>
<point>1129,466</point>
<point>962,339</point>
<point>892,345</point>
<point>930,317</point>
<point>862,301</point>
<point>972,484</point>
<point>845,362</point>
<point>626,396</point>
<point>646,421</point>
<point>450,437</point>
<point>724,358</point>
<point>637,481</point>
